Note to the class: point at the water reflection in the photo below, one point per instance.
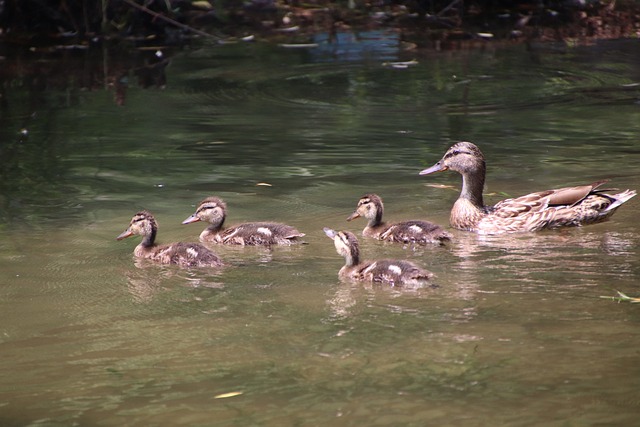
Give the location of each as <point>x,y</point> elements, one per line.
<point>37,87</point>
<point>89,336</point>
<point>380,45</point>
<point>578,255</point>
<point>148,280</point>
<point>350,298</point>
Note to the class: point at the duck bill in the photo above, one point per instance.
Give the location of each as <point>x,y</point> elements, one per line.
<point>192,218</point>
<point>438,167</point>
<point>126,233</point>
<point>353,216</point>
<point>329,232</point>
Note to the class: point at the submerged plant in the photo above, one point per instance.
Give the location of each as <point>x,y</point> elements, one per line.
<point>623,298</point>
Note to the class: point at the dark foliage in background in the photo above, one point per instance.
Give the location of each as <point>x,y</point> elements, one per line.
<point>129,17</point>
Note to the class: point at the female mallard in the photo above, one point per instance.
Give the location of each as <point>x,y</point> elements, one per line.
<point>370,207</point>
<point>571,206</point>
<point>214,211</point>
<point>183,254</point>
<point>388,271</point>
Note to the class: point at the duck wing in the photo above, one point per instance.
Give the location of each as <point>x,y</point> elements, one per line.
<point>564,207</point>
<point>415,232</point>
<point>260,234</point>
<point>186,255</point>
<point>394,272</point>
<point>542,200</point>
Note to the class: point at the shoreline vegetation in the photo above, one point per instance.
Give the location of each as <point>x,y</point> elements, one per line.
<point>75,46</point>
<point>422,24</point>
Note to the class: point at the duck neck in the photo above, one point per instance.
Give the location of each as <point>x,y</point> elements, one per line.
<point>472,187</point>
<point>149,239</point>
<point>352,255</point>
<point>216,226</point>
<point>213,228</point>
<point>351,259</point>
<point>375,220</point>
<point>469,209</point>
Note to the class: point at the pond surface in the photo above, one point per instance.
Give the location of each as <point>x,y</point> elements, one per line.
<point>516,333</point>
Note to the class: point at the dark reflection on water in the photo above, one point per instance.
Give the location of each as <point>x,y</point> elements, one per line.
<point>516,330</point>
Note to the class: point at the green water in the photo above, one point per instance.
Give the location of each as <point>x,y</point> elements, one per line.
<point>516,333</point>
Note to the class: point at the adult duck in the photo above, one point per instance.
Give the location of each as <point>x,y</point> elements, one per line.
<point>387,271</point>
<point>214,211</point>
<point>183,254</point>
<point>371,208</point>
<point>570,206</point>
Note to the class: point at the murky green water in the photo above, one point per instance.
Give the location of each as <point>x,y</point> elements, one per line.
<point>515,334</point>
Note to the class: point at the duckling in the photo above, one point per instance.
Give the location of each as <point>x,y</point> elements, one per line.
<point>214,211</point>
<point>570,206</point>
<point>423,232</point>
<point>183,254</point>
<point>388,271</point>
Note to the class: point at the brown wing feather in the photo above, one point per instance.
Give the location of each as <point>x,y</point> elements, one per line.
<point>538,202</point>
<point>260,233</point>
<point>572,195</point>
<point>186,254</point>
<point>416,231</point>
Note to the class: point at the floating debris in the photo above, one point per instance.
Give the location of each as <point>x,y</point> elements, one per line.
<point>264,184</point>
<point>622,298</point>
<point>202,5</point>
<point>442,186</point>
<point>402,64</point>
<point>288,29</point>
<point>298,45</point>
<point>226,395</point>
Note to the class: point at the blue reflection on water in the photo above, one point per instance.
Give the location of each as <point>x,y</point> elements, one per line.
<point>353,46</point>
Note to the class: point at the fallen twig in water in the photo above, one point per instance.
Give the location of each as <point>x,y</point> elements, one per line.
<point>623,298</point>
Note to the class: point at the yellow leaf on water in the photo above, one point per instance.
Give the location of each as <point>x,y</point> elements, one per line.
<point>442,186</point>
<point>202,4</point>
<point>230,394</point>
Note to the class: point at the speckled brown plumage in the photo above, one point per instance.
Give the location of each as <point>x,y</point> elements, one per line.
<point>387,271</point>
<point>370,207</point>
<point>183,254</point>
<point>570,206</point>
<point>214,211</point>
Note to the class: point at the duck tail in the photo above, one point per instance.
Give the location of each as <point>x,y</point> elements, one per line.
<point>620,198</point>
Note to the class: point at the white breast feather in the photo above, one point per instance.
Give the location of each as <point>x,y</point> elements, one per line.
<point>416,228</point>
<point>264,230</point>
<point>193,252</point>
<point>371,267</point>
<point>395,269</point>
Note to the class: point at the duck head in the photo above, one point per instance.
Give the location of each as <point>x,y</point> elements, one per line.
<point>462,157</point>
<point>370,207</point>
<point>212,210</point>
<point>142,224</point>
<point>346,245</point>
